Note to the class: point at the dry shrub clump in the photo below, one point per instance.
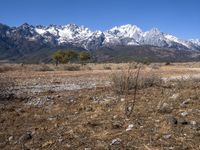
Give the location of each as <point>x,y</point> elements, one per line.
<point>106,67</point>
<point>44,68</point>
<point>189,81</point>
<point>149,80</point>
<point>126,80</point>
<point>5,68</point>
<point>6,89</point>
<point>72,67</point>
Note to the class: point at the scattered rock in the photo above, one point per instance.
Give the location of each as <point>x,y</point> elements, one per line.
<point>60,140</point>
<point>184,113</point>
<point>186,102</point>
<point>129,108</point>
<point>117,125</point>
<point>27,136</point>
<point>193,122</point>
<point>130,126</point>
<point>182,121</point>
<point>40,101</point>
<point>167,136</point>
<point>101,145</point>
<point>88,108</point>
<point>122,99</point>
<point>58,96</point>
<point>174,96</point>
<point>51,118</point>
<point>10,138</point>
<point>172,120</point>
<point>66,145</point>
<point>116,141</point>
<point>48,143</point>
<point>115,117</point>
<point>164,108</point>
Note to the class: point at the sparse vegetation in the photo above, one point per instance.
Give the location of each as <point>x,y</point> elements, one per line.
<point>106,67</point>
<point>6,89</point>
<point>81,109</point>
<point>5,68</point>
<point>59,57</point>
<point>84,56</point>
<point>72,67</point>
<point>167,63</point>
<point>65,57</point>
<point>70,56</point>
<point>124,81</point>
<point>43,67</point>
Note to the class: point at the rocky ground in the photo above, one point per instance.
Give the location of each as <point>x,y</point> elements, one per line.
<point>79,110</point>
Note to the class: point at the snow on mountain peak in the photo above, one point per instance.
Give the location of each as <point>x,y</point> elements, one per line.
<point>195,41</point>
<point>118,35</point>
<point>125,30</point>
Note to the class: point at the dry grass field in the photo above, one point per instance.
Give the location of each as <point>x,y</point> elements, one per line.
<point>77,107</point>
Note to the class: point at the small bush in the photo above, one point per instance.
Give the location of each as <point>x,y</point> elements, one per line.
<point>72,68</point>
<point>44,68</point>
<point>87,68</point>
<point>167,63</point>
<point>107,67</point>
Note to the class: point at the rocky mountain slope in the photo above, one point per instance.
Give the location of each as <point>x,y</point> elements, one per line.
<point>27,39</point>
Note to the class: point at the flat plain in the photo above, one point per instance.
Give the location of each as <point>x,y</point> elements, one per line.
<point>76,107</point>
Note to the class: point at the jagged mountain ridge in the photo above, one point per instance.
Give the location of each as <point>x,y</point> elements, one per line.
<point>56,35</point>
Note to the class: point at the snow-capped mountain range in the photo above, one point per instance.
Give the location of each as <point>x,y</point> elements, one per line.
<point>122,35</point>
<point>80,36</point>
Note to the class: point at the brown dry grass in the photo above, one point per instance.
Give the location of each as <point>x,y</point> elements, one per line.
<point>92,118</point>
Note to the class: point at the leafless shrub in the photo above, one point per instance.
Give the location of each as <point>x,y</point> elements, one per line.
<point>122,82</point>
<point>149,81</point>
<point>126,80</point>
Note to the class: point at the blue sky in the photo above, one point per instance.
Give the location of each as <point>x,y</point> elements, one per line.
<point>178,17</point>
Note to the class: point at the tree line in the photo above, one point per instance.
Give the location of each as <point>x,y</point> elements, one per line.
<point>62,57</point>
